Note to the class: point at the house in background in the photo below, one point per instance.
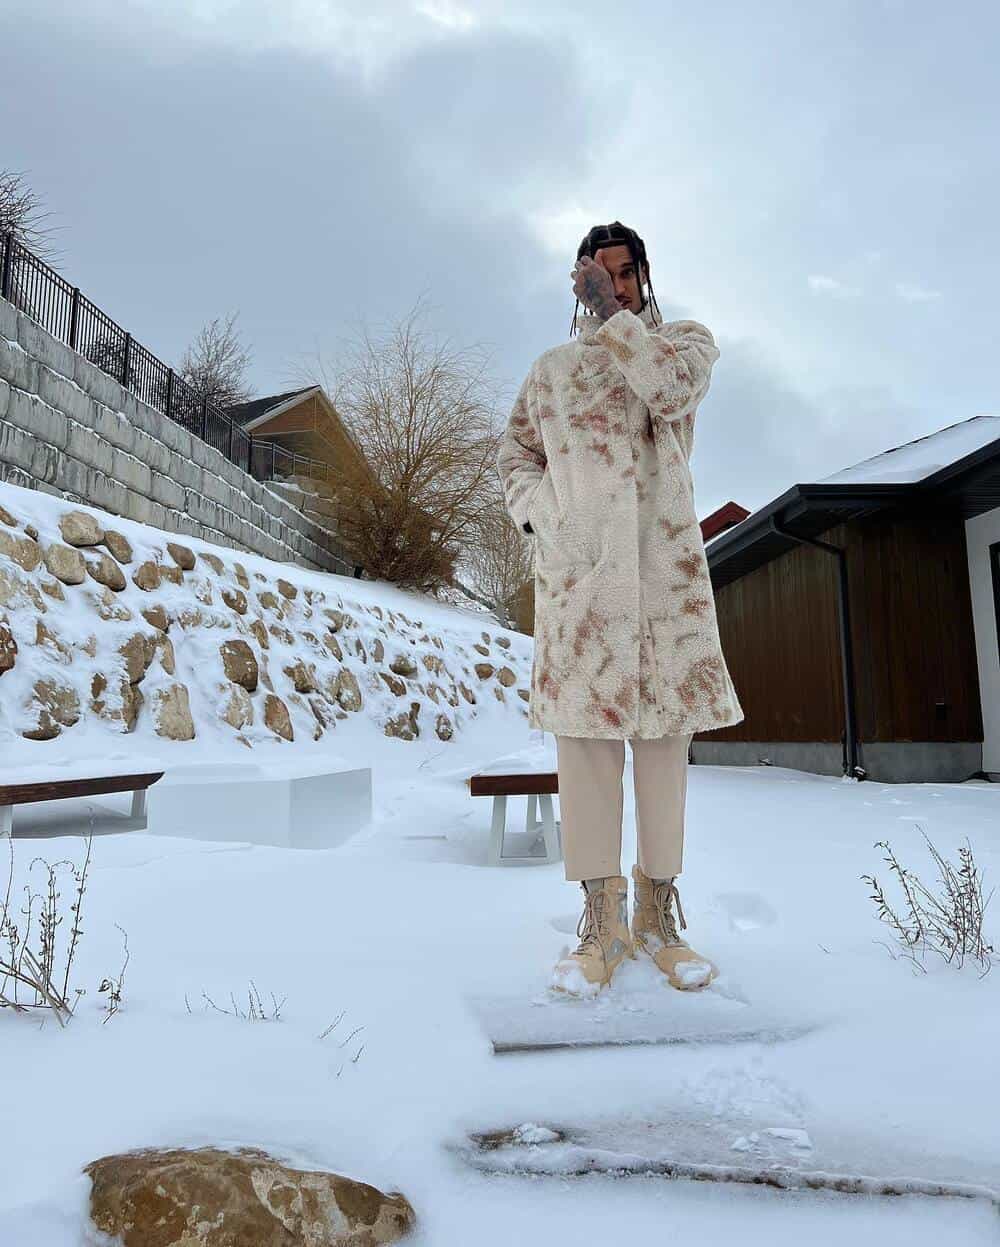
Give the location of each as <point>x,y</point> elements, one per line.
<point>860,617</point>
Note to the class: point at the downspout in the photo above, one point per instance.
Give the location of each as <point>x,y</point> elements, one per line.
<point>852,765</point>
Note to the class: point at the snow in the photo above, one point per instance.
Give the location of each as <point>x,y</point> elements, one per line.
<point>917,460</point>
<point>398,928</point>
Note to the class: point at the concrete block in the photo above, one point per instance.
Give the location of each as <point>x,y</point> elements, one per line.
<point>72,478</point>
<point>37,418</point>
<point>4,398</point>
<point>112,428</point>
<point>138,507</point>
<point>109,494</point>
<point>174,436</point>
<point>65,396</point>
<point>8,320</point>
<point>98,384</point>
<point>43,347</point>
<point>88,447</point>
<point>166,491</point>
<point>152,452</point>
<point>17,367</point>
<point>133,473</point>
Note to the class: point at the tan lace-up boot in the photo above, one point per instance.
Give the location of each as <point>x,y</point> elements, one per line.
<point>654,931</point>
<point>605,940</point>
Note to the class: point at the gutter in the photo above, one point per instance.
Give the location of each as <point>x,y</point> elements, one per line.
<point>852,763</point>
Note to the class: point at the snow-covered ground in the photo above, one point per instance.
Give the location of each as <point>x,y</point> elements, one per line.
<point>400,926</point>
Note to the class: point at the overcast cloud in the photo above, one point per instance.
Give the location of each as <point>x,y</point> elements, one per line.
<point>817,183</point>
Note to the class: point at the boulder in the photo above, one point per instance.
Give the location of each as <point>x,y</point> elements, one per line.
<point>56,706</point>
<point>174,574</point>
<point>7,518</point>
<point>260,633</point>
<point>240,664</point>
<point>165,648</point>
<point>467,693</point>
<point>237,708</point>
<point>276,717</point>
<point>203,591</point>
<point>172,713</point>
<point>8,648</point>
<point>347,692</point>
<point>483,649</point>
<point>148,576</point>
<point>503,641</point>
<point>106,571</point>
<point>242,579</point>
<point>281,634</point>
<point>66,564</point>
<point>403,664</point>
<point>138,652</point>
<point>157,617</point>
<point>48,640</point>
<point>397,685</point>
<point>443,727</point>
<point>432,662</point>
<point>269,601</point>
<point>119,546</point>
<point>336,619</point>
<point>333,645</point>
<point>302,676</point>
<point>25,552</point>
<point>80,529</point>
<point>378,650</point>
<point>507,677</point>
<point>214,562</point>
<point>108,606</point>
<point>287,590</point>
<point>484,670</point>
<point>182,556</point>
<point>236,600</point>
<point>54,589</point>
<point>524,694</point>
<point>404,725</point>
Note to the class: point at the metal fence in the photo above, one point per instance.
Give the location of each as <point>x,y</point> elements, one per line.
<point>41,293</point>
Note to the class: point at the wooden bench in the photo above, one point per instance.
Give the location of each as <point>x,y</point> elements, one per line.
<point>60,789</point>
<point>538,787</point>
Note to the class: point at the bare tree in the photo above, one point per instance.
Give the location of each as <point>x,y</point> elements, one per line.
<point>215,364</point>
<point>423,415</point>
<point>23,214</point>
<point>500,561</point>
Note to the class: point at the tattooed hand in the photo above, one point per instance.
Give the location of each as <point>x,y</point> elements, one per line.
<point>593,287</point>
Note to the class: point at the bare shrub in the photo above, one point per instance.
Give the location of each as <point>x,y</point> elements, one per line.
<point>36,964</point>
<point>948,921</point>
<point>215,364</point>
<point>500,562</point>
<point>255,1010</point>
<point>23,214</point>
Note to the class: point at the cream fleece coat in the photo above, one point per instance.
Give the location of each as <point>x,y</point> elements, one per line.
<point>594,463</point>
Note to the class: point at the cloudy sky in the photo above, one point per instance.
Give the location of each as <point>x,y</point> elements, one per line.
<point>816,182</point>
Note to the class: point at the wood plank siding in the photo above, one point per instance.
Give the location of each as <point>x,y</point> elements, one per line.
<point>916,676</point>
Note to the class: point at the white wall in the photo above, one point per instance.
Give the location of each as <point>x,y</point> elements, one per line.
<point>980,534</point>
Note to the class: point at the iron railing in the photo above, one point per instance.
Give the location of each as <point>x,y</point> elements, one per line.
<point>41,293</point>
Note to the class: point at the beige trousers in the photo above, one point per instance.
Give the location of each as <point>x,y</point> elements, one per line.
<point>591,804</point>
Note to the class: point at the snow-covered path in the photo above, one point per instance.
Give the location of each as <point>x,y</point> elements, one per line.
<point>397,927</point>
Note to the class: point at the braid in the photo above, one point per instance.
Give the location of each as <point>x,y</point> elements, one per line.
<point>617,235</point>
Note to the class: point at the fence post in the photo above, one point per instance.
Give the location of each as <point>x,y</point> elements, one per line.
<point>8,264</point>
<point>126,361</point>
<point>232,425</point>
<point>74,317</point>
<point>170,392</point>
<point>204,417</point>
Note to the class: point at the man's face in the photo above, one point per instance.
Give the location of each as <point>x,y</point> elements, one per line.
<point>618,262</point>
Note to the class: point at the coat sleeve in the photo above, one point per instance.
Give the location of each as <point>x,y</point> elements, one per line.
<point>668,366</point>
<point>521,460</point>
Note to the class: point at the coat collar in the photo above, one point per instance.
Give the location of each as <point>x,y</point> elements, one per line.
<point>589,323</point>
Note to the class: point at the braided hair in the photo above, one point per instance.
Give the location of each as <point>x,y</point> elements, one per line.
<point>618,235</point>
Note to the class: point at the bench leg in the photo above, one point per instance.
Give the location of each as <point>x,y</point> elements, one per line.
<point>6,821</point>
<point>139,805</point>
<point>550,831</point>
<point>497,829</point>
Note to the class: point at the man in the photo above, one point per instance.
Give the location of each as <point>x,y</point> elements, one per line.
<point>594,467</point>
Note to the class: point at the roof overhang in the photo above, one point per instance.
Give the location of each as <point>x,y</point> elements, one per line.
<point>965,488</point>
<point>280,408</point>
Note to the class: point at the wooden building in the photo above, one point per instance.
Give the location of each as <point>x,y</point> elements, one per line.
<point>860,617</point>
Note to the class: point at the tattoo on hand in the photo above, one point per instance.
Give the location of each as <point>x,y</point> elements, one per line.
<point>593,287</point>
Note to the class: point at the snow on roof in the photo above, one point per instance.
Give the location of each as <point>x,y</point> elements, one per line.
<point>914,461</point>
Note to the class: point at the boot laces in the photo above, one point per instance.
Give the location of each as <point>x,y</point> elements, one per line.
<point>665,895</point>
<point>592,924</point>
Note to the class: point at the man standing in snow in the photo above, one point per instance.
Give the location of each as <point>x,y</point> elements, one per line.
<point>594,467</point>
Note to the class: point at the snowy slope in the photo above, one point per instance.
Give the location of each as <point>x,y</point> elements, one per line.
<point>323,649</point>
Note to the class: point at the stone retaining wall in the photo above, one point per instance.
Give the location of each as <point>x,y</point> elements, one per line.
<point>69,429</point>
